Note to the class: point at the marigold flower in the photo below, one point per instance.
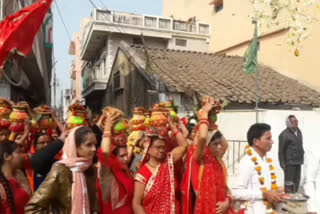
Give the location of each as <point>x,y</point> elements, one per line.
<point>274,187</point>
<point>258,168</point>
<point>269,160</point>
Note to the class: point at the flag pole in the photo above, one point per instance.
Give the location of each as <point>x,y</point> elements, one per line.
<point>257,79</point>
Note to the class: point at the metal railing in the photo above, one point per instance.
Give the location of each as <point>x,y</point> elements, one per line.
<point>234,154</point>
<point>155,22</point>
<point>90,75</point>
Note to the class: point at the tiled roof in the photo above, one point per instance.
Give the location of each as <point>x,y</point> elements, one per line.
<point>222,77</point>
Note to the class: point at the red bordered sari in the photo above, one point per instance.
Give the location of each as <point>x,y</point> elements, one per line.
<point>208,181</point>
<point>160,190</point>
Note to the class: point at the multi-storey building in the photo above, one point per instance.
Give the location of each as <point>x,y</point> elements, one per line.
<point>101,34</point>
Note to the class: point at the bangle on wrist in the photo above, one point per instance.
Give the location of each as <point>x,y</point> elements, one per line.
<point>107,134</point>
<point>204,122</point>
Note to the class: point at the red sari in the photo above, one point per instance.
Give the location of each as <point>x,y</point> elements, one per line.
<point>208,181</point>
<point>161,188</point>
<point>21,198</point>
<point>121,187</point>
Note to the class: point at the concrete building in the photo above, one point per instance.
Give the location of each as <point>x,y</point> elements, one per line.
<point>29,80</point>
<point>232,32</point>
<point>100,38</point>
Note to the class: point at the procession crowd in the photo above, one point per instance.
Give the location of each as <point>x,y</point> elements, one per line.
<point>154,163</point>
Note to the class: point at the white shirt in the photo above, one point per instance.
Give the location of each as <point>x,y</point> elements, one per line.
<point>247,187</point>
<point>312,181</point>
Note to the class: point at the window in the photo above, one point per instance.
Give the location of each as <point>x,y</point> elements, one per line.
<point>203,28</point>
<point>164,23</point>
<point>116,80</point>
<point>137,41</point>
<point>150,22</point>
<point>181,42</point>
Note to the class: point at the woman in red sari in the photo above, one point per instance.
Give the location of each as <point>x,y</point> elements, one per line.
<point>155,184</point>
<point>204,185</point>
<point>115,183</point>
<point>14,190</point>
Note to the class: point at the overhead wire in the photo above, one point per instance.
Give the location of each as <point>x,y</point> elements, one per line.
<point>62,20</point>
<point>103,5</point>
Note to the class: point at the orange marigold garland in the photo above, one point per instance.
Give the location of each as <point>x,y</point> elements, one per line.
<point>258,168</point>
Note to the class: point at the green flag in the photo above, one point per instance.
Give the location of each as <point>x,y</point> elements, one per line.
<point>251,54</point>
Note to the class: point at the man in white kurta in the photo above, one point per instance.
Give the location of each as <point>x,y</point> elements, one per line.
<point>312,181</point>
<point>246,186</point>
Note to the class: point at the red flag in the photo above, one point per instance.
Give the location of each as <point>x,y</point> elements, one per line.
<point>18,31</point>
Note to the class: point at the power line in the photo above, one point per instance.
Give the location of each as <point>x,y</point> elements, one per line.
<point>61,17</point>
<point>103,5</point>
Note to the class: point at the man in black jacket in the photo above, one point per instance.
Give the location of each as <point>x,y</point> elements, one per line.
<point>291,152</point>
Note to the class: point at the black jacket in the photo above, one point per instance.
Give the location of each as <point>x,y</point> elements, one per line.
<point>290,148</point>
<point>42,161</point>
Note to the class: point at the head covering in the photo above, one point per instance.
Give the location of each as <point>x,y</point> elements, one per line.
<point>77,116</point>
<point>5,111</point>
<point>80,200</point>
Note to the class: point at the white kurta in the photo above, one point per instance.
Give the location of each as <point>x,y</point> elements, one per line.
<point>246,186</point>
<point>312,181</point>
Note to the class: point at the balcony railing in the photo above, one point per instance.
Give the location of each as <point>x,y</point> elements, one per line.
<point>93,73</point>
<point>155,22</point>
<point>90,75</point>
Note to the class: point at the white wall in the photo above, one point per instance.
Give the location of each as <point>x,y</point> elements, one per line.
<point>234,125</point>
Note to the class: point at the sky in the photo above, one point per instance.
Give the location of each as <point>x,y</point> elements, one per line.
<point>72,12</point>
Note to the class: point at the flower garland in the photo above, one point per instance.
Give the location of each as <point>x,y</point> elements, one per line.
<point>258,168</point>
